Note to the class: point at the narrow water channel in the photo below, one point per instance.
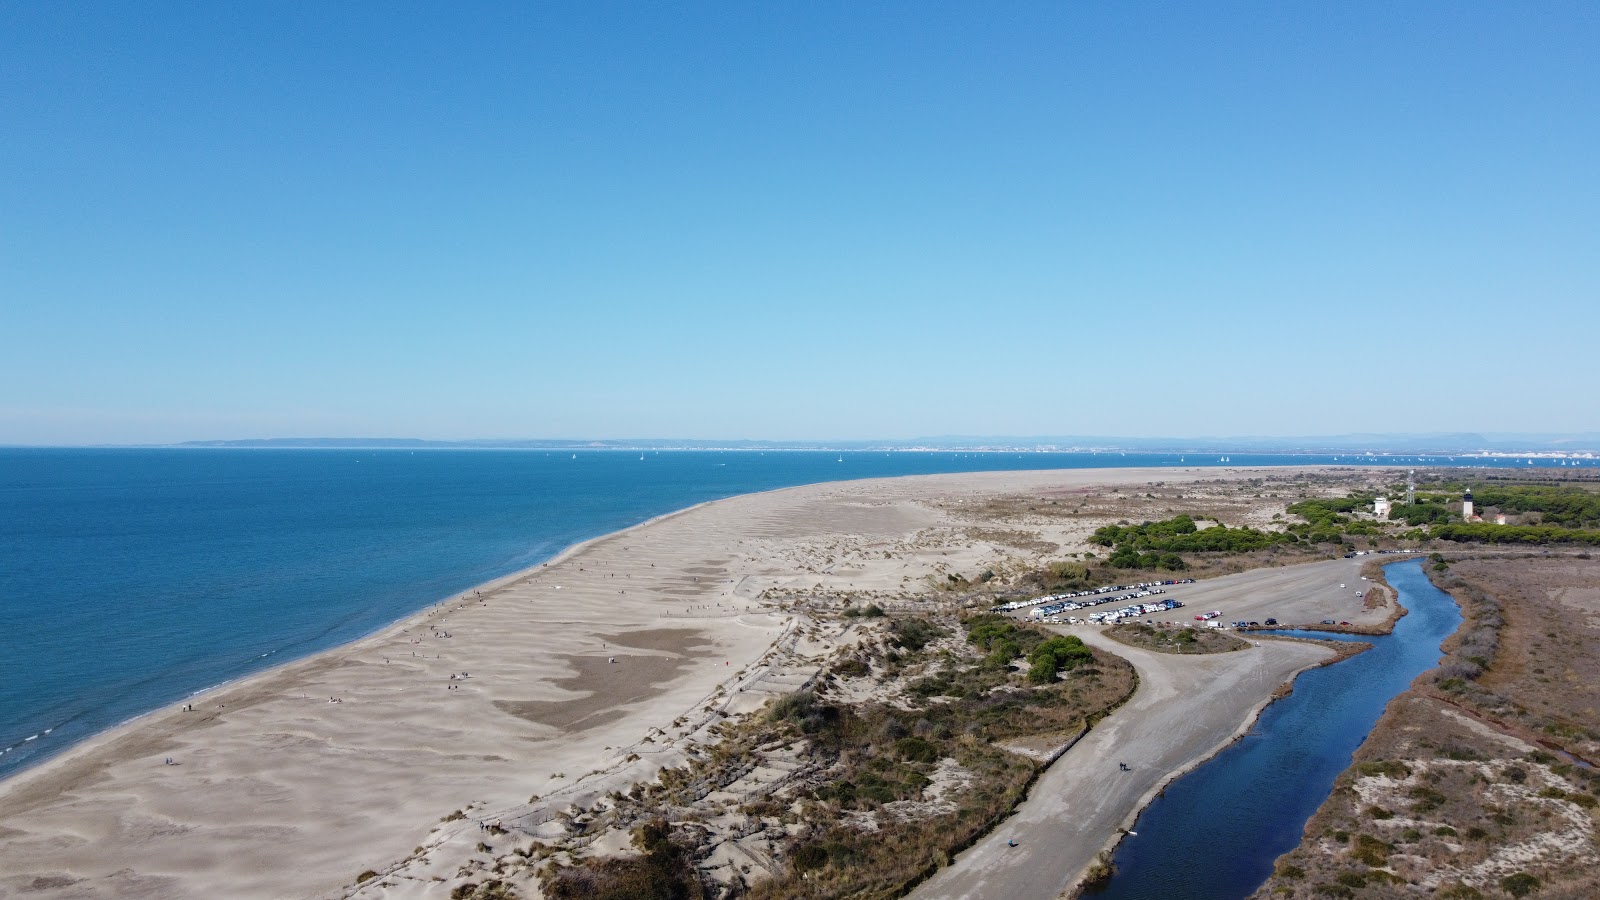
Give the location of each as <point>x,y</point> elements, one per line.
<point>1216,831</point>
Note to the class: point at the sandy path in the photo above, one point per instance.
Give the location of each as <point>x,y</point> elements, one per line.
<point>278,792</point>
<point>1186,708</point>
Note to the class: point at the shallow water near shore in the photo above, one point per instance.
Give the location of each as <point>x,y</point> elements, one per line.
<point>130,579</point>
<point>1214,833</point>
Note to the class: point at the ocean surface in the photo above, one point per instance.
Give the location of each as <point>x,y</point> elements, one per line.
<point>130,579</point>
<point>1229,819</point>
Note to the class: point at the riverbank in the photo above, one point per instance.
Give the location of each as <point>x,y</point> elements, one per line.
<point>296,781</point>
<point>1188,708</point>
<point>1473,781</point>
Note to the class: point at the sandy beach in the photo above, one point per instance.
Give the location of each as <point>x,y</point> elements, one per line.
<point>557,684</point>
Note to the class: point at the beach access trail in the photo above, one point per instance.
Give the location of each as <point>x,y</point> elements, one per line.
<point>392,753</point>
<point>1185,709</point>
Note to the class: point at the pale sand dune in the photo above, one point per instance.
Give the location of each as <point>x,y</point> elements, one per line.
<point>278,792</point>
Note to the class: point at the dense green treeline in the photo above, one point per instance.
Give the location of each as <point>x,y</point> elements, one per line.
<point>1422,513</point>
<point>1156,545</point>
<point>1329,511</point>
<point>1570,507</point>
<point>1516,534</point>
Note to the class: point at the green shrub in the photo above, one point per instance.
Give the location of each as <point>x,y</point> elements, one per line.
<point>1057,653</point>
<point>1519,885</point>
<point>664,872</point>
<point>914,634</point>
<point>1368,849</point>
<point>809,856</point>
<point>852,668</point>
<point>1390,768</point>
<point>915,749</point>
<point>1425,799</point>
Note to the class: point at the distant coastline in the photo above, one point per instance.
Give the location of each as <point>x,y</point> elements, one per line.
<point>1545,445</point>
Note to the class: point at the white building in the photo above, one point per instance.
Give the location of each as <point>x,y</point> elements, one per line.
<point>1381,507</point>
<point>1466,505</point>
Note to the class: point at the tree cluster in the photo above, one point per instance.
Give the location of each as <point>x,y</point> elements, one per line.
<point>1156,545</point>
<point>1515,534</point>
<point>1570,507</point>
<point>1423,513</point>
<point>1055,654</point>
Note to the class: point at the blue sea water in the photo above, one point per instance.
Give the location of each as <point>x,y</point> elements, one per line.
<point>131,578</point>
<point>1214,833</point>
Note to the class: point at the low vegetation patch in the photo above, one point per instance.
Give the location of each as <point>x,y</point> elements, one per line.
<point>661,872</point>
<point>1178,639</point>
<point>883,792</point>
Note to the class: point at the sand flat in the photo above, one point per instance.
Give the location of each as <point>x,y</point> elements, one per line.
<point>292,782</point>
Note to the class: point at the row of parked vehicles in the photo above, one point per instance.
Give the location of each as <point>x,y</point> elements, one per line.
<point>1065,601</point>
<point>1245,626</point>
<point>1053,614</point>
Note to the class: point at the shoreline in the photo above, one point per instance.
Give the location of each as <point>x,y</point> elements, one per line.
<point>560,556</point>
<point>269,750</point>
<point>385,630</point>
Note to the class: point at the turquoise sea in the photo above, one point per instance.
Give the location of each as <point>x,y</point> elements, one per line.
<point>130,579</point>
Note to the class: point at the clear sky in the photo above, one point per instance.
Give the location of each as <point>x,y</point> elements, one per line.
<point>796,220</point>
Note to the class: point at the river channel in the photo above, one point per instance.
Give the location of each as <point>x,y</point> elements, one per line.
<point>1214,833</point>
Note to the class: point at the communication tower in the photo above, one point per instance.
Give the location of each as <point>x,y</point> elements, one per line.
<point>1411,487</point>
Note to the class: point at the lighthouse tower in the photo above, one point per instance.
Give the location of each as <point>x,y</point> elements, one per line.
<point>1466,504</point>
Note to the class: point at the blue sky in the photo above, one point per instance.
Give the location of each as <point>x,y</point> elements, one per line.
<point>796,220</point>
